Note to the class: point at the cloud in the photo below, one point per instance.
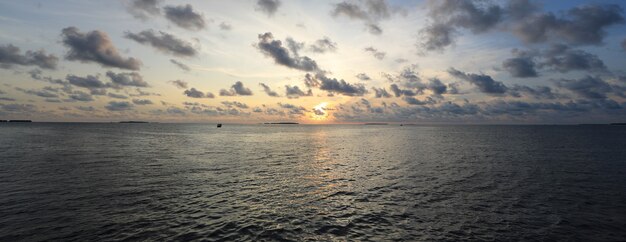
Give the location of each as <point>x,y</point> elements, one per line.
<point>293,109</point>
<point>132,79</point>
<point>235,104</point>
<point>225,26</point>
<point>269,7</point>
<point>448,15</point>
<point>85,108</point>
<point>142,101</point>
<point>115,95</point>
<point>268,90</point>
<point>333,85</point>
<point>522,66</point>
<point>582,25</point>
<point>401,92</point>
<point>143,9</point>
<point>184,16</point>
<point>414,101</point>
<point>194,93</point>
<point>119,106</point>
<point>81,96</point>
<point>179,83</point>
<point>310,81</point>
<point>180,65</point>
<point>164,42</point>
<point>295,92</point>
<point>370,12</point>
<point>485,83</point>
<point>562,58</point>
<point>323,45</point>
<point>39,93</point>
<point>381,92</point>
<point>236,89</point>
<point>281,55</point>
<point>558,57</point>
<point>18,108</point>
<point>377,54</point>
<point>590,87</point>
<point>10,55</point>
<point>89,82</point>
<point>436,86</point>
<point>95,46</point>
<point>541,92</point>
<point>624,44</point>
<point>363,77</point>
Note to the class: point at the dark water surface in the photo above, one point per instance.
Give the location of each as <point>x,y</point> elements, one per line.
<point>85,182</point>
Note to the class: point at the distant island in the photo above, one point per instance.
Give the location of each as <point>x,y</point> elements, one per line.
<point>133,122</point>
<point>16,121</point>
<point>375,123</point>
<point>618,123</point>
<point>282,123</point>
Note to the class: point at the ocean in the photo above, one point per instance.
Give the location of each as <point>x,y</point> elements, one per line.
<point>112,181</point>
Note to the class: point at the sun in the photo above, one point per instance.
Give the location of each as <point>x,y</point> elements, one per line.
<point>320,112</point>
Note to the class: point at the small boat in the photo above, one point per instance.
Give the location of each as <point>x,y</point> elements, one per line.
<point>219,125</point>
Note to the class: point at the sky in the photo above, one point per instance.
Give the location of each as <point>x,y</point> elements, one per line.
<point>250,61</point>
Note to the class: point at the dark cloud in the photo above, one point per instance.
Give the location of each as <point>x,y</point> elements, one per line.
<point>236,89</point>
<point>333,85</point>
<point>590,87</point>
<point>89,82</point>
<point>235,104</point>
<point>119,106</point>
<point>377,54</point>
<point>241,90</point>
<point>85,108</point>
<point>132,79</point>
<point>437,87</point>
<point>541,92</point>
<point>225,26</point>
<point>562,58</point>
<point>81,96</point>
<point>415,101</point>
<point>448,15</point>
<point>363,77</point>
<point>323,45</point>
<point>310,81</point>
<point>269,7</point>
<point>164,42</point>
<point>293,109</point>
<point>185,17</point>
<point>485,83</point>
<point>522,65</point>
<point>295,92</point>
<point>95,46</point>
<point>18,108</point>
<point>370,12</point>
<point>115,95</point>
<point>398,92</point>
<point>142,101</point>
<point>381,92</point>
<point>10,55</point>
<point>582,25</point>
<point>274,48</point>
<point>195,93</point>
<point>39,93</point>
<point>269,91</point>
<point>180,65</point>
<point>179,83</point>
<point>143,9</point>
